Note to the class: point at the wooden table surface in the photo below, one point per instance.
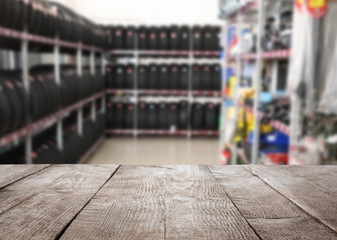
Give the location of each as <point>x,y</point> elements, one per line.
<point>168,202</point>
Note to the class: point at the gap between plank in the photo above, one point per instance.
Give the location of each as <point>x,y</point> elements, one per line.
<point>315,218</point>
<point>233,203</point>
<point>25,177</point>
<point>71,221</point>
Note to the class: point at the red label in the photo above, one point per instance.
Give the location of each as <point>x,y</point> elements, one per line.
<point>317,8</point>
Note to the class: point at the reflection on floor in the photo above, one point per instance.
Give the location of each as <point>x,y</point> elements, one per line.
<point>157,151</point>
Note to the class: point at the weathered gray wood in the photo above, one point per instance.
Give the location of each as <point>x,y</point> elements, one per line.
<point>13,173</point>
<point>272,215</point>
<point>312,188</point>
<point>172,202</point>
<point>54,202</point>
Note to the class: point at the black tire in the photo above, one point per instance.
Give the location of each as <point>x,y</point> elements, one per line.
<point>5,113</point>
<point>184,77</point>
<point>153,82</point>
<point>152,116</point>
<point>164,80</point>
<point>196,77</point>
<point>163,116</point>
<point>141,115</point>
<point>174,77</point>
<point>197,120</point>
<point>183,115</point>
<point>173,116</point>
<point>129,116</point>
<point>142,77</point>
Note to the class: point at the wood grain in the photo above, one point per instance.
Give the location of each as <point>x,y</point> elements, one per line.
<point>272,215</point>
<point>13,173</point>
<point>167,202</point>
<point>312,188</point>
<point>55,201</point>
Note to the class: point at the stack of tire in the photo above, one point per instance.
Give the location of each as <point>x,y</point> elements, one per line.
<point>206,77</point>
<point>162,115</point>
<point>45,150</point>
<point>49,19</point>
<point>206,38</point>
<point>205,116</point>
<point>165,38</point>
<point>164,77</point>
<point>45,97</point>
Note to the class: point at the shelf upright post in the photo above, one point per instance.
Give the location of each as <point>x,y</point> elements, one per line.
<point>57,77</point>
<point>79,72</point>
<point>103,65</point>
<point>135,86</point>
<point>274,77</point>
<point>11,56</point>
<point>238,67</point>
<point>25,73</point>
<point>190,81</point>
<point>93,72</point>
<point>257,83</point>
<point>223,112</point>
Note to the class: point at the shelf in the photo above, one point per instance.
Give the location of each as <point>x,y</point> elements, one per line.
<point>164,92</point>
<point>94,148</point>
<point>121,91</point>
<point>45,40</point>
<point>207,93</point>
<point>276,124</point>
<point>165,53</point>
<point>13,137</point>
<point>162,132</point>
<point>278,54</point>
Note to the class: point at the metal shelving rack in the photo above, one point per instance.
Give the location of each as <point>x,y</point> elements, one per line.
<point>189,94</point>
<point>27,133</point>
<point>257,7</point>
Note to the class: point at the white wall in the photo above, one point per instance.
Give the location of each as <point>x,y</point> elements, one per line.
<point>154,12</point>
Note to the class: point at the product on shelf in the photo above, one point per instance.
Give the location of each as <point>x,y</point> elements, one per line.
<point>164,76</point>
<point>45,150</point>
<point>197,119</point>
<point>152,116</point>
<point>142,38</point>
<point>172,38</point>
<point>129,116</point>
<point>49,19</point>
<point>142,77</point>
<point>211,116</point>
<point>183,115</point>
<point>153,38</point>
<point>183,77</point>
<point>130,36</point>
<point>153,79</point>
<point>164,35</point>
<point>163,116</point>
<point>141,115</point>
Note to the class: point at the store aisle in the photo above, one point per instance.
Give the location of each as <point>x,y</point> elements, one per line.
<point>158,151</point>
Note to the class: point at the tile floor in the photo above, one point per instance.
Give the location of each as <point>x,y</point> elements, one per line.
<point>157,151</point>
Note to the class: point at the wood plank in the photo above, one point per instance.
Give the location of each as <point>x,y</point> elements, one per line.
<point>13,173</point>
<point>167,202</point>
<point>272,215</point>
<point>55,201</point>
<point>312,188</point>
